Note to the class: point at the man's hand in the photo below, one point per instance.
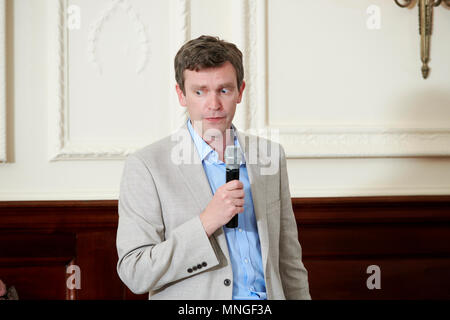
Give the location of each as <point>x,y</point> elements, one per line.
<point>226,203</point>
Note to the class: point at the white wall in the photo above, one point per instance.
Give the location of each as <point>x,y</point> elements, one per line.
<point>348,103</point>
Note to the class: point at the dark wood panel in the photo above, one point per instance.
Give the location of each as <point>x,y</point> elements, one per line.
<point>374,210</point>
<point>35,263</point>
<point>91,227</point>
<point>58,215</point>
<point>410,279</point>
<point>97,259</point>
<point>46,282</point>
<point>375,240</point>
<point>14,245</point>
<point>408,237</point>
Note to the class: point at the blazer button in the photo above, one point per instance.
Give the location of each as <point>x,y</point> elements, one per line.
<point>194,268</point>
<point>227,282</point>
<point>204,264</point>
<point>199,266</point>
<point>189,270</point>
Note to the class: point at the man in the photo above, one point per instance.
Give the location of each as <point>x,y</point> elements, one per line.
<point>174,204</point>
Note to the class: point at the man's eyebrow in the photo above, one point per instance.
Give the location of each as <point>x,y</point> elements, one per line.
<point>227,85</point>
<point>198,87</point>
<point>222,85</point>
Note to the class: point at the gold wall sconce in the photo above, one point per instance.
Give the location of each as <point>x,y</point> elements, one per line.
<point>425,27</point>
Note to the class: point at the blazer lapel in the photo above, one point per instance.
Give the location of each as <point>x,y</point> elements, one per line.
<point>191,169</point>
<point>258,188</point>
<point>195,178</point>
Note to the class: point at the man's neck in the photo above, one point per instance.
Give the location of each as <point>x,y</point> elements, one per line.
<point>218,144</point>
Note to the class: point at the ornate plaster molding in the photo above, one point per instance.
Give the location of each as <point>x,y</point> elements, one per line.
<point>97,26</point>
<point>60,145</point>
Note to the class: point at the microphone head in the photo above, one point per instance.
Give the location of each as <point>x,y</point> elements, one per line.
<point>232,157</point>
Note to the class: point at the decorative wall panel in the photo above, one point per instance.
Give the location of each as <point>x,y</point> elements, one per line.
<point>111,89</point>
<point>330,136</point>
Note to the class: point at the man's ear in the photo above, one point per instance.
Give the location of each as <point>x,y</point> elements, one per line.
<point>181,96</point>
<point>241,92</point>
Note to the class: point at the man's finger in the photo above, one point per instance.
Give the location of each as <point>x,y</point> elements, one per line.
<point>235,184</point>
<point>237,194</point>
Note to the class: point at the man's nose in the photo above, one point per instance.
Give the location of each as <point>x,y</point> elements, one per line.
<point>214,102</point>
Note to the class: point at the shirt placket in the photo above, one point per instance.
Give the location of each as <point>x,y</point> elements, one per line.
<point>244,249</point>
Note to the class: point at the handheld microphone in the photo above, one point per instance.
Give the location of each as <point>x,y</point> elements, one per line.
<point>232,162</point>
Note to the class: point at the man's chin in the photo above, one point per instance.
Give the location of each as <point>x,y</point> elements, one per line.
<point>215,128</point>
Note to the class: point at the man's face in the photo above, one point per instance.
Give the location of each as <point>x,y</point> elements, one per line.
<point>211,96</point>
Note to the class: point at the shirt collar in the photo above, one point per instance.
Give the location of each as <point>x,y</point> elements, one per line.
<point>205,151</point>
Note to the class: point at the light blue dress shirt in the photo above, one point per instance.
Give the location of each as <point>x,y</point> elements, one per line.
<point>243,242</point>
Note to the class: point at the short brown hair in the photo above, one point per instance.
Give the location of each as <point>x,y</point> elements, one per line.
<point>207,52</point>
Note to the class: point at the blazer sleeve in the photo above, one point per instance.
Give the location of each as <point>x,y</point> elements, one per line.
<point>147,259</point>
<point>294,275</point>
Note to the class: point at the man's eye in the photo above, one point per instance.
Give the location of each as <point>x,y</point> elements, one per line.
<point>199,92</point>
<point>225,90</point>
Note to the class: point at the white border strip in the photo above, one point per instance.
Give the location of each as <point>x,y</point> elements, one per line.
<point>3,157</point>
<point>343,191</point>
<point>57,79</point>
<point>368,192</point>
<point>57,195</point>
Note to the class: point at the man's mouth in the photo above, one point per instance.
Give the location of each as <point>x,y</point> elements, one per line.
<point>215,119</point>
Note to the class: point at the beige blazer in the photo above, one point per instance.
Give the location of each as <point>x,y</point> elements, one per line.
<point>162,246</point>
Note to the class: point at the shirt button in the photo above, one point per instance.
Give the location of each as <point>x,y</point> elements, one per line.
<point>227,282</point>
<point>240,230</point>
<point>246,260</point>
